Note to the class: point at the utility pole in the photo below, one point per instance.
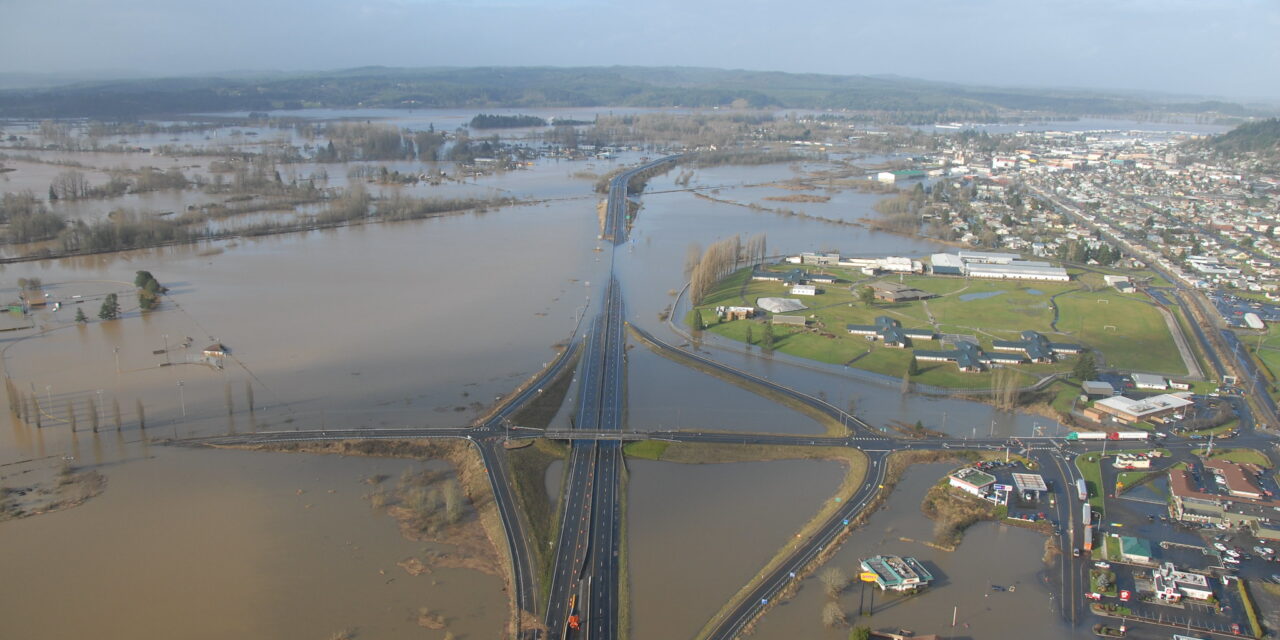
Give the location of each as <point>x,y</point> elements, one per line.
<point>166,349</point>
<point>182,399</point>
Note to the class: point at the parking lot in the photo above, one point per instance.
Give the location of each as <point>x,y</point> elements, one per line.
<point>1233,309</point>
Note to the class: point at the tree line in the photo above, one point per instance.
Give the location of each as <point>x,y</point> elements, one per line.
<point>722,258</point>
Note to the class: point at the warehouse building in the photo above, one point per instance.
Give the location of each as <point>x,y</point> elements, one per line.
<point>1129,411</point>
<point>996,266</point>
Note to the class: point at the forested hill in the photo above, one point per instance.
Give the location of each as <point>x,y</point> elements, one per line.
<point>895,99</point>
<point>1262,136</point>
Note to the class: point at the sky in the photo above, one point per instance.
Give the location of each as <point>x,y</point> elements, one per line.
<point>1227,48</point>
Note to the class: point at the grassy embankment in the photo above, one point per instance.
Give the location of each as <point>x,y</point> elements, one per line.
<point>529,471</point>
<point>1127,331</point>
<point>1251,456</point>
<point>1255,624</point>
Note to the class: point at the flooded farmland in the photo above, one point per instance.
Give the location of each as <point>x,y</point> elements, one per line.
<point>215,544</point>
<point>406,324</point>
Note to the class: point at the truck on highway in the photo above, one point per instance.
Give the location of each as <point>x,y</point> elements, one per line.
<point>1086,517</point>
<point>1108,435</point>
<point>574,621</point>
<point>1087,435</point>
<point>1082,489</point>
<point>1088,538</point>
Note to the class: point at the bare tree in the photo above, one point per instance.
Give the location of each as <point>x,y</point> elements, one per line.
<point>226,395</point>
<point>115,411</point>
<point>71,416</point>
<point>834,580</point>
<point>832,615</point>
<point>452,501</point>
<point>248,394</point>
<point>142,416</point>
<point>93,414</point>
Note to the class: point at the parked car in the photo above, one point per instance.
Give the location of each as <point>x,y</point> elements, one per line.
<point>1093,596</point>
<point>1219,546</point>
<point>1102,565</point>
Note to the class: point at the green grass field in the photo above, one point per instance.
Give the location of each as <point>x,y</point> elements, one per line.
<point>1238,455</point>
<point>1140,339</point>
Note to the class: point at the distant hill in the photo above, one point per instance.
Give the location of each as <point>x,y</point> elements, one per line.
<point>893,99</point>
<point>1262,136</point>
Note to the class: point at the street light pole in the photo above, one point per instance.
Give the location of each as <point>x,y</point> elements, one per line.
<point>182,399</point>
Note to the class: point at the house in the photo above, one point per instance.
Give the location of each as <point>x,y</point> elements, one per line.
<point>216,350</point>
<point>967,356</point>
<point>735,313</point>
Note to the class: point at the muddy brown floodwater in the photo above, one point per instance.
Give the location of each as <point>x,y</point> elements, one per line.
<point>697,533</point>
<point>221,544</point>
<point>990,554</point>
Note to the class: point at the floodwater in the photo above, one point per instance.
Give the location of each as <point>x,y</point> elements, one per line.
<point>990,554</point>
<point>656,400</point>
<point>222,544</point>
<point>980,295</point>
<point>406,324</point>
<point>697,533</point>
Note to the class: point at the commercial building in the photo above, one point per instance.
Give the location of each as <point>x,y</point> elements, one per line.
<point>897,573</point>
<point>1237,477</point>
<point>894,292</point>
<point>1129,411</point>
<point>1172,585</point>
<point>1149,381</point>
<point>804,290</point>
<point>1212,504</point>
<point>971,480</point>
<point>1137,550</point>
<point>1131,461</point>
<point>998,266</point>
<point>1030,485</point>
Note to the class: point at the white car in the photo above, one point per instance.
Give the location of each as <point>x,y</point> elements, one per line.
<point>1230,560</point>
<point>1233,553</point>
<point>1102,565</point>
<point>1219,546</point>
